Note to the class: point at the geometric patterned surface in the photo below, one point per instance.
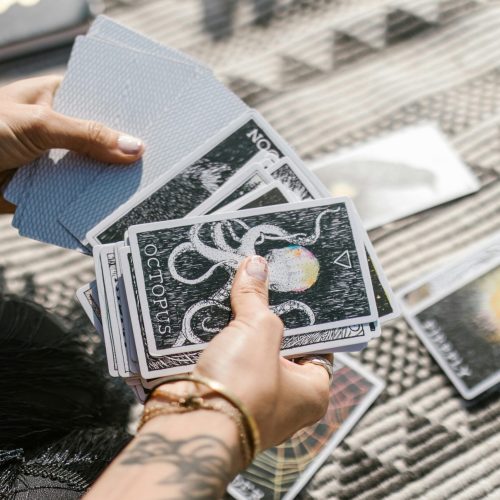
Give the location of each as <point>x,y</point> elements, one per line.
<point>331,74</point>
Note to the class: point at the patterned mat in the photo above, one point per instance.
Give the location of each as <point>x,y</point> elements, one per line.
<point>330,74</point>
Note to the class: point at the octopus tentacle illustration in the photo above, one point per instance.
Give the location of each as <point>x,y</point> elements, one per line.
<point>291,305</point>
<point>291,268</point>
<point>187,330</point>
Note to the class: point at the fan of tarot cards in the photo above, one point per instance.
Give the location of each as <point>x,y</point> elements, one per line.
<point>216,184</point>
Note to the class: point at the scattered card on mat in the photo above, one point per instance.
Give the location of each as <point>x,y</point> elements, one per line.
<point>456,313</point>
<point>410,170</point>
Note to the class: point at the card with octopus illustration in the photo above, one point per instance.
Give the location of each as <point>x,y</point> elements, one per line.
<point>319,276</point>
<point>195,178</point>
<point>460,324</point>
<point>160,366</point>
<point>150,367</point>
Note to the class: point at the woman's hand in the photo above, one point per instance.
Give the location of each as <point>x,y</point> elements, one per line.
<point>197,454</point>
<point>282,396</point>
<point>29,126</point>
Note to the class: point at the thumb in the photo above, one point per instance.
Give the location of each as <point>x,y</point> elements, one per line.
<point>249,293</point>
<point>89,138</point>
<point>250,305</point>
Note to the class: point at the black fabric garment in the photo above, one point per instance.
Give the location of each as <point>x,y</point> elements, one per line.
<point>62,418</point>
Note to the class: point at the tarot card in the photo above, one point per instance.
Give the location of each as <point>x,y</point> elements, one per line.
<point>194,179</point>
<point>281,472</point>
<point>387,303</point>
<point>265,196</point>
<point>108,29</point>
<point>89,299</point>
<point>121,300</point>
<point>250,177</point>
<point>149,366</point>
<point>152,367</point>
<point>300,182</point>
<point>411,170</point>
<point>111,354</point>
<point>202,111</point>
<point>333,265</point>
<point>460,324</point>
<point>61,175</point>
<point>297,180</point>
<point>117,311</point>
<point>110,278</point>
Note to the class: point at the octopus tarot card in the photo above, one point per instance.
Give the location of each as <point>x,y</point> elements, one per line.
<point>319,276</point>
<point>160,366</point>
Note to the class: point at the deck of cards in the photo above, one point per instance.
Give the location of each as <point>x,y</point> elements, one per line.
<point>216,184</point>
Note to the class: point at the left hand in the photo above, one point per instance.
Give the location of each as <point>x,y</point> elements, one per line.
<point>29,127</point>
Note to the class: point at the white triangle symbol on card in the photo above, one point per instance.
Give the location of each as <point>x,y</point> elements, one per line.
<point>344,260</point>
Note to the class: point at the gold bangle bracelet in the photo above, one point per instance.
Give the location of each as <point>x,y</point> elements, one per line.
<point>176,408</point>
<point>247,418</point>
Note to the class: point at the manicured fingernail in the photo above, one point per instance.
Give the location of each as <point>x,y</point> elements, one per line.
<point>129,145</point>
<point>257,267</point>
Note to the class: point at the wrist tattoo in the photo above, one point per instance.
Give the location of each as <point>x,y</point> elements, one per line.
<point>199,466</point>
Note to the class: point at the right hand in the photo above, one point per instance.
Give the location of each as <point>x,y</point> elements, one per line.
<point>282,396</point>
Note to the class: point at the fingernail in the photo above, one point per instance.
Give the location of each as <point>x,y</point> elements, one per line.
<point>129,145</point>
<point>257,267</point>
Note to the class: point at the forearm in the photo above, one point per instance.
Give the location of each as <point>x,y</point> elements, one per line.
<point>192,455</point>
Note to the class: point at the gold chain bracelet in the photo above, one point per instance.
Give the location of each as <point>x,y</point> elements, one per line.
<point>246,424</point>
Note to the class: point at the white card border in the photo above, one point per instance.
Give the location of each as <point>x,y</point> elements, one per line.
<point>109,346</point>
<point>89,311</point>
<point>116,326</point>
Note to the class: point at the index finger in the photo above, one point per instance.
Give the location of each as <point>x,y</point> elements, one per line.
<point>38,90</point>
